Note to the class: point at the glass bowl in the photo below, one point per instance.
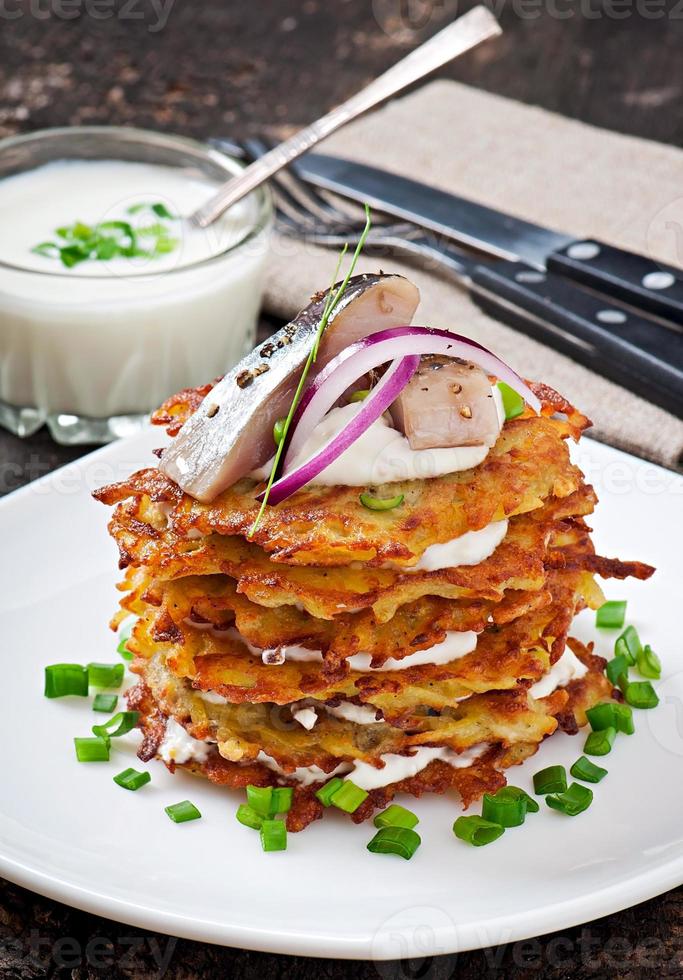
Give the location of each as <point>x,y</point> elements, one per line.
<point>92,350</point>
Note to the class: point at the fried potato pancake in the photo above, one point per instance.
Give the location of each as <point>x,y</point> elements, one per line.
<point>521,650</point>
<point>241,731</point>
<point>328,526</point>
<point>484,775</point>
<point>213,602</point>
<point>517,563</point>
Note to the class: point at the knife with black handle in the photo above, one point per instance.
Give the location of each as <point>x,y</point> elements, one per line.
<point>622,344</point>
<point>595,303</point>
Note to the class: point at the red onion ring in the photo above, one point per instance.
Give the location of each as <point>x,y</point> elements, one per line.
<point>378,401</point>
<point>378,348</point>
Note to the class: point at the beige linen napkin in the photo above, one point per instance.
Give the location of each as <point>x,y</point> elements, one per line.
<point>540,166</point>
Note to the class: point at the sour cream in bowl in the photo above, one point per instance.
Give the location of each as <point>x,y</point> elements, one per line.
<point>110,300</point>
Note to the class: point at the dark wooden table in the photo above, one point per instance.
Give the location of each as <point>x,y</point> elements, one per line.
<point>232,68</point>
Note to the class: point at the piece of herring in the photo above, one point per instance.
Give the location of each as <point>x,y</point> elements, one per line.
<point>231,433</point>
<point>447,402</point>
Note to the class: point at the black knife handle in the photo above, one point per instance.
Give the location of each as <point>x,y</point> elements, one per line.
<point>642,354</point>
<point>648,285</point>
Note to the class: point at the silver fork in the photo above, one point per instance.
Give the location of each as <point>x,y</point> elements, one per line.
<point>310,215</point>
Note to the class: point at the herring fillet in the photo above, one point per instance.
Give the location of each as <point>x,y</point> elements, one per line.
<point>231,433</point>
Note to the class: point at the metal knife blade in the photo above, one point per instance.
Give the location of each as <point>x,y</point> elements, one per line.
<point>469,224</point>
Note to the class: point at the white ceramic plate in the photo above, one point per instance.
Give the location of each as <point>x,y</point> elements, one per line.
<point>68,832</point>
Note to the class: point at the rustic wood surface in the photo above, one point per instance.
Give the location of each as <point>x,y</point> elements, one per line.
<point>234,68</point>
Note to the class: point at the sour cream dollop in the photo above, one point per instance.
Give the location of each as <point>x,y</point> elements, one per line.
<point>382,454</point>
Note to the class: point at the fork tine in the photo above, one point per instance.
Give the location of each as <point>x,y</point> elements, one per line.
<point>304,202</point>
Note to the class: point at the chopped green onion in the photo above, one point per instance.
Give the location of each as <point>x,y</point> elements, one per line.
<point>348,797</point>
<point>624,718</point>
<point>611,615</point>
<point>574,800</point>
<point>628,645</point>
<point>105,675</point>
<point>274,835</point>
<point>584,769</point>
<point>512,402</point>
<point>105,702</point>
<point>282,799</point>
<point>249,817</point>
<point>616,669</point>
<point>477,831</point>
<point>162,211</point>
<point>515,793</point>
<point>395,840</point>
<point>600,742</point>
<point>607,714</point>
<point>359,396</point>
<point>182,812</point>
<point>92,749</point>
<point>124,636</point>
<point>381,503</point>
<point>326,792</point>
<point>505,810</point>
<point>260,799</point>
<point>64,679</point>
<point>279,431</point>
<point>131,779</point>
<point>118,724</point>
<point>396,816</point>
<point>649,664</point>
<point>641,694</point>
<point>550,780</point>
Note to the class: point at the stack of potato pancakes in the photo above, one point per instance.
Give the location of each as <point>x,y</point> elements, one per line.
<point>325,644</point>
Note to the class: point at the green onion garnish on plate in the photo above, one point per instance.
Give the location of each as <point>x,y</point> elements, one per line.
<point>119,724</point>
<point>381,503</point>
<point>608,714</point>
<point>574,800</point>
<point>348,797</point>
<point>105,702</point>
<point>611,615</point>
<point>586,770</point>
<point>273,835</point>
<point>395,840</point>
<point>92,749</point>
<point>617,669</point>
<point>515,793</point>
<point>396,816</point>
<point>553,779</point>
<point>260,798</point>
<point>105,675</point>
<point>641,694</point>
<point>505,809</point>
<point>182,812</point>
<point>132,779</point>
<point>249,817</point>
<point>649,664</point>
<point>477,831</point>
<point>121,649</point>
<point>600,742</point>
<point>326,792</point>
<point>513,403</point>
<point>628,645</point>
<point>65,679</point>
